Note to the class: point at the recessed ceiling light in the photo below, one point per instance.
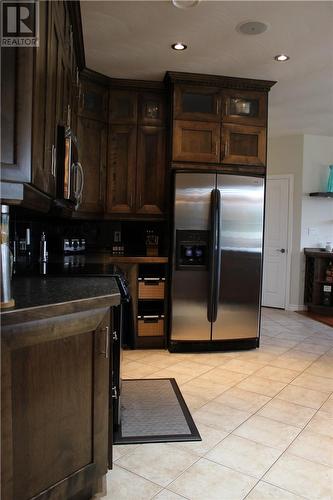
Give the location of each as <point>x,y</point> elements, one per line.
<point>179,46</point>
<point>252,27</point>
<point>185,4</point>
<point>281,58</point>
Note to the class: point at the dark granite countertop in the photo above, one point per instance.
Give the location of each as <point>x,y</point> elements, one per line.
<point>60,294</point>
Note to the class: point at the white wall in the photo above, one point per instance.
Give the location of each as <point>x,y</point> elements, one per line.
<point>306,158</point>
<point>317,213</point>
<point>285,156</point>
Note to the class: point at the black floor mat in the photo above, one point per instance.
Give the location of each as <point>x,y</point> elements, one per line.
<point>154,411</point>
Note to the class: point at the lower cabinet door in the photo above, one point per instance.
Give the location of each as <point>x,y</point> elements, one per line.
<point>121,169</point>
<point>151,161</point>
<point>196,141</point>
<point>55,416</point>
<point>92,139</point>
<point>243,145</point>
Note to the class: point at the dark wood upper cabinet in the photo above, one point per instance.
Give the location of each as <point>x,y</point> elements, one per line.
<point>55,384</point>
<point>41,174</point>
<point>151,109</point>
<point>244,107</point>
<point>93,101</point>
<point>197,103</point>
<point>243,145</point>
<point>195,141</point>
<point>136,153</point>
<point>123,107</point>
<point>53,97</point>
<point>92,144</point>
<point>121,169</point>
<point>218,119</point>
<point>151,161</point>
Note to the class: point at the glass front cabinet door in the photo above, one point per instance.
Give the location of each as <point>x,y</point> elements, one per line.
<point>123,107</point>
<point>244,107</point>
<point>197,103</point>
<point>151,109</point>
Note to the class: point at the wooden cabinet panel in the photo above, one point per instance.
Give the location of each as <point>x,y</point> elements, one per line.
<point>55,387</point>
<point>150,183</point>
<point>8,111</point>
<point>121,175</point>
<point>244,107</point>
<point>196,141</point>
<point>93,101</point>
<point>53,97</point>
<point>151,109</point>
<point>197,103</point>
<point>41,176</point>
<point>123,107</point>
<point>92,142</point>
<point>243,145</point>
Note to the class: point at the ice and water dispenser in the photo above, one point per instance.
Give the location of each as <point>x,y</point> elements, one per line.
<point>191,249</point>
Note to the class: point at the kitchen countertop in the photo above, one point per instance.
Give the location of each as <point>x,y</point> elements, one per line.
<point>318,252</point>
<point>43,297</point>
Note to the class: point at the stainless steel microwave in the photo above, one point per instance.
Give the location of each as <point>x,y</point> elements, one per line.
<point>70,176</point>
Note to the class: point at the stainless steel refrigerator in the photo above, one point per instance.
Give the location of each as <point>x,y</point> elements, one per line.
<point>216,261</point>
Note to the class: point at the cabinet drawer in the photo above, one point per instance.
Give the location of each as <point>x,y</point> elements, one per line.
<point>196,141</point>
<point>152,288</point>
<point>150,326</point>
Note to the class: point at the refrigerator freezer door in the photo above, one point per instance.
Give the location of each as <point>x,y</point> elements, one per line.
<point>241,238</point>
<point>190,282</point>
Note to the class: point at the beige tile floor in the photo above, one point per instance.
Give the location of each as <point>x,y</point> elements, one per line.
<point>265,416</point>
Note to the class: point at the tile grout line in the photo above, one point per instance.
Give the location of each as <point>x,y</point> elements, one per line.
<point>271,398</point>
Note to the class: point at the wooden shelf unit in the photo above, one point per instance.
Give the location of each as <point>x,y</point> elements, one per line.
<point>325,194</point>
<point>151,306</point>
<point>315,269</point>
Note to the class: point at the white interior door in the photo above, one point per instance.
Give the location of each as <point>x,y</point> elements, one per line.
<point>276,240</point>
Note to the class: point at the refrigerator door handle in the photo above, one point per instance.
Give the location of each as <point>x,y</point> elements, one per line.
<point>214,256</point>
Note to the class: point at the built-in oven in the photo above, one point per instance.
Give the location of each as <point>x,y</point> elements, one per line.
<point>70,176</point>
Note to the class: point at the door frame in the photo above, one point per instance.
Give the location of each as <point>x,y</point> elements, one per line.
<point>290,179</point>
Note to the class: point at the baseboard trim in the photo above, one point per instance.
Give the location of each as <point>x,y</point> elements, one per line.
<point>296,307</point>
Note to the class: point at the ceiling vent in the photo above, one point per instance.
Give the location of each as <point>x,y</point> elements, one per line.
<point>252,27</point>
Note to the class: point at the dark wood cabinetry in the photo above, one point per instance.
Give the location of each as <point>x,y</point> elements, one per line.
<point>244,107</point>
<point>123,107</point>
<point>40,91</point>
<point>151,161</point>
<point>121,173</point>
<point>196,141</point>
<point>243,145</point>
<point>197,103</point>
<point>55,411</point>
<point>93,101</point>
<point>220,120</point>
<point>92,144</point>
<point>151,109</point>
<point>136,154</point>
<point>318,294</point>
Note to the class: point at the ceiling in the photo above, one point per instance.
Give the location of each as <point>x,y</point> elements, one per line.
<point>132,40</point>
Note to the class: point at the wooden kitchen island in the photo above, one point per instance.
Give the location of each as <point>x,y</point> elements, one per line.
<point>55,387</point>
